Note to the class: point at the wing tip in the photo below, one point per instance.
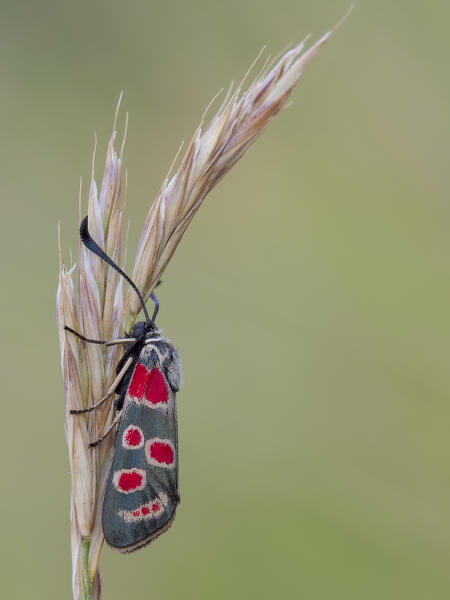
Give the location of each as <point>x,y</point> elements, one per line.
<point>146,541</point>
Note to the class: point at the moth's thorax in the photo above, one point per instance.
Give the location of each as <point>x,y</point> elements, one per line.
<point>156,342</point>
<point>157,346</point>
<point>155,335</point>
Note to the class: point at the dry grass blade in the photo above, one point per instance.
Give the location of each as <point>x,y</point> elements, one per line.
<point>102,309</point>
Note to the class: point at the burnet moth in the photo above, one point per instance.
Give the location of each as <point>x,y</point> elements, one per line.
<point>142,491</point>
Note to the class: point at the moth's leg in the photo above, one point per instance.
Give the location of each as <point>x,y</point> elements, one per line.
<point>133,352</point>
<point>120,341</point>
<point>115,384</point>
<point>105,342</point>
<point>100,440</point>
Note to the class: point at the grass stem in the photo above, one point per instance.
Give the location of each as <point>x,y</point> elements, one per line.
<point>87,583</point>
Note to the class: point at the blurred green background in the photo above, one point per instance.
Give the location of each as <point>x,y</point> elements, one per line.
<point>310,298</point>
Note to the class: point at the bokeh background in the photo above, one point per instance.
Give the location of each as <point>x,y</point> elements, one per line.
<point>310,298</point>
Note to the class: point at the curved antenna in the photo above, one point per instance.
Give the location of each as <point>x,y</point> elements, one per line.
<point>156,301</point>
<point>95,248</point>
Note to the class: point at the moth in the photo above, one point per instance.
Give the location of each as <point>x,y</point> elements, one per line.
<point>141,495</point>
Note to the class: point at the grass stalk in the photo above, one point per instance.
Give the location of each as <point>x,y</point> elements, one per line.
<point>96,302</point>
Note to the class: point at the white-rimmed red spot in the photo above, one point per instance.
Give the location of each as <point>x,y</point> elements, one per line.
<point>139,381</point>
<point>152,510</point>
<point>149,387</point>
<point>129,480</point>
<point>160,453</point>
<point>157,508</point>
<point>133,438</point>
<point>156,390</point>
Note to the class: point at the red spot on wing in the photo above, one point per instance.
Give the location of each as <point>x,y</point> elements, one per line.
<point>162,452</point>
<point>139,381</point>
<point>156,391</point>
<point>129,481</point>
<point>133,436</point>
<point>152,510</point>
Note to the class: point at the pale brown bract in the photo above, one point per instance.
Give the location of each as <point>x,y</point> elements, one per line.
<point>103,309</point>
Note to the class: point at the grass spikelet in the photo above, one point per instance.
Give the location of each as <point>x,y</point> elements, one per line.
<point>102,307</point>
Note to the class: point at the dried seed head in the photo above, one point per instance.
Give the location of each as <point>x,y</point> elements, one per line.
<point>210,155</point>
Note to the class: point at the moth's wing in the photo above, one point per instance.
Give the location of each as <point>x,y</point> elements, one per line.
<point>142,491</point>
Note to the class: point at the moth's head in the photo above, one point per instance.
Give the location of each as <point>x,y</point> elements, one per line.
<point>142,328</point>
